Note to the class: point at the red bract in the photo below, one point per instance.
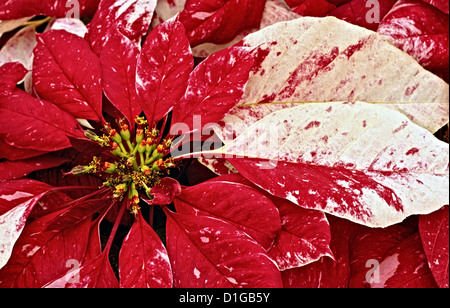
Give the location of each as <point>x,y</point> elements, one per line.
<point>332,175</point>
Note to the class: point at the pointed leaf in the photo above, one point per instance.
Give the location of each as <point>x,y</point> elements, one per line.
<point>375,167</point>
<point>13,153</point>
<point>143,259</point>
<point>207,252</point>
<point>236,204</point>
<point>58,77</point>
<point>12,223</point>
<point>15,192</point>
<point>163,69</point>
<point>118,59</point>
<point>131,18</point>
<point>435,240</point>
<point>29,129</point>
<point>215,87</point>
<point>14,170</point>
<point>219,22</point>
<point>305,64</point>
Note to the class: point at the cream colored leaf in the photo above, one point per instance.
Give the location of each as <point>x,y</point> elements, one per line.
<point>325,59</point>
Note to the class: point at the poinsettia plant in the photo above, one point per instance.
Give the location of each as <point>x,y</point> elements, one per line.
<point>197,143</point>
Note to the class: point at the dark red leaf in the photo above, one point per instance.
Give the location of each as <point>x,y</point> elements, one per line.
<point>10,170</point>
<point>326,272</point>
<point>244,207</point>
<point>67,73</point>
<point>118,59</point>
<point>163,69</point>
<point>420,30</point>
<point>131,18</point>
<point>219,21</point>
<point>207,252</point>
<point>435,240</point>
<point>143,259</point>
<point>10,75</point>
<point>55,8</point>
<point>214,88</point>
<point>23,124</point>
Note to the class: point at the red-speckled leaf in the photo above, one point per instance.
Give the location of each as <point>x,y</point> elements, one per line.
<point>56,8</point>
<point>10,170</point>
<point>143,259</point>
<point>96,273</point>
<point>118,59</point>
<point>326,272</point>
<point>359,161</point>
<point>10,75</point>
<point>131,18</point>
<point>305,64</point>
<point>240,205</point>
<point>215,87</point>
<point>435,240</point>
<point>30,129</point>
<point>207,252</point>
<point>274,11</point>
<point>219,21</point>
<point>367,257</point>
<point>367,14</point>
<point>405,266</point>
<point>421,31</point>
<point>68,77</point>
<point>163,69</point>
<point>304,236</point>
<point>51,246</point>
<point>18,191</point>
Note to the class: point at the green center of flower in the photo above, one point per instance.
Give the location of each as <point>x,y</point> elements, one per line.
<point>137,163</point>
